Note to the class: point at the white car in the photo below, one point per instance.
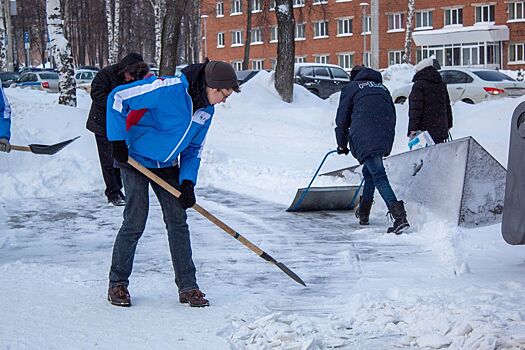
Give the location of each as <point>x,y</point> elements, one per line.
<point>471,85</point>
<point>84,77</point>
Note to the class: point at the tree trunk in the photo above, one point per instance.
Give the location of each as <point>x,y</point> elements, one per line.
<point>3,34</point>
<point>62,54</point>
<point>248,41</point>
<point>113,21</point>
<point>285,49</point>
<point>407,54</point>
<point>170,35</point>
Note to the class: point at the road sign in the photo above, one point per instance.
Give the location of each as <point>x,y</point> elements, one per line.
<point>26,40</point>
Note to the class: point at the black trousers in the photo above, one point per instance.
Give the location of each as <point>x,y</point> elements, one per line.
<point>112,177</point>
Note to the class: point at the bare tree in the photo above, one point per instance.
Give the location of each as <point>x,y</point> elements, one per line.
<point>62,53</point>
<point>407,54</point>
<point>113,23</point>
<point>248,41</point>
<point>159,8</point>
<point>3,33</point>
<point>285,49</point>
<point>171,35</point>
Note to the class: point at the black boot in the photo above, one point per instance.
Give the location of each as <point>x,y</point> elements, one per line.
<point>397,210</point>
<point>363,211</point>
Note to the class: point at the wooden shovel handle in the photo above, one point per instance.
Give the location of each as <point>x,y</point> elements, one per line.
<point>20,148</point>
<point>153,177</point>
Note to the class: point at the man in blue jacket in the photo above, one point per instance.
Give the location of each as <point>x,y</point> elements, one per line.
<point>5,122</point>
<point>162,123</point>
<point>366,121</point>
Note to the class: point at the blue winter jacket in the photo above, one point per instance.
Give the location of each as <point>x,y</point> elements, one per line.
<point>366,117</point>
<point>5,116</point>
<point>168,128</point>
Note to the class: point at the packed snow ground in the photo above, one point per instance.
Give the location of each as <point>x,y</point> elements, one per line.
<point>438,287</point>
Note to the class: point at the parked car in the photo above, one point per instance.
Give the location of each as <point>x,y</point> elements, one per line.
<point>244,75</point>
<point>93,68</point>
<point>40,80</point>
<point>471,85</point>
<point>84,77</point>
<point>321,79</point>
<point>8,78</point>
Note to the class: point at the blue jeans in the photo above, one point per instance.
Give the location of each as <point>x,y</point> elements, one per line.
<point>136,186</point>
<point>375,177</point>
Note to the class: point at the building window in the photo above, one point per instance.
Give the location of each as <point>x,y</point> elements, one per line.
<point>485,13</point>
<point>324,59</point>
<point>256,6</point>
<point>345,60</point>
<point>298,3</point>
<point>220,39</point>
<point>320,2</point>
<point>256,37</point>
<point>321,29</point>
<point>272,5</point>
<point>236,7</point>
<point>367,25</point>
<point>237,38</point>
<point>344,26</point>
<point>300,59</point>
<point>237,65</point>
<point>453,16</point>
<point>395,57</point>
<point>395,22</point>
<point>257,64</point>
<point>300,31</point>
<point>273,63</point>
<point>516,11</point>
<point>273,34</point>
<point>517,53</point>
<point>424,20</point>
<point>220,9</point>
<point>367,59</point>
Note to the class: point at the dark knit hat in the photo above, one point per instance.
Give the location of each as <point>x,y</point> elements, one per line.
<point>354,71</point>
<point>130,59</point>
<point>220,75</point>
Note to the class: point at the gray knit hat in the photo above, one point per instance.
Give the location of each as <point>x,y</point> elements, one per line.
<point>220,75</point>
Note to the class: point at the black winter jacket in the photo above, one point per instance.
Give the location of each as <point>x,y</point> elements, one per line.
<point>104,82</point>
<point>430,105</point>
<point>195,75</point>
<point>366,117</point>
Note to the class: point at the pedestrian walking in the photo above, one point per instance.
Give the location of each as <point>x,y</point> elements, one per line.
<point>162,123</point>
<point>429,103</point>
<point>365,126</point>
<point>129,69</point>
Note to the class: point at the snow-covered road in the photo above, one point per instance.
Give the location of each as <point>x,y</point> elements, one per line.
<point>365,288</point>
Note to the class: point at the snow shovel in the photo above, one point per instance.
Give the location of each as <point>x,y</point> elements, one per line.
<point>217,221</point>
<point>43,149</point>
<point>325,198</point>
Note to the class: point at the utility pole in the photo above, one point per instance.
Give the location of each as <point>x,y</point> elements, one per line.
<point>374,37</point>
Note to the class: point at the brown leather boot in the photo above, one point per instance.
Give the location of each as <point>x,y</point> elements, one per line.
<point>118,295</point>
<point>194,297</point>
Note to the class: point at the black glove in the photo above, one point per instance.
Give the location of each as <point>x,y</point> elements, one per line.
<point>119,151</point>
<point>343,150</point>
<point>187,194</point>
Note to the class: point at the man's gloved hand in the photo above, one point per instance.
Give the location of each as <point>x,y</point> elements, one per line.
<point>5,146</point>
<point>187,194</point>
<point>119,151</point>
<point>343,150</point>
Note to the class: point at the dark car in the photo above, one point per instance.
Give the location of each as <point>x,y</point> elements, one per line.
<point>88,68</point>
<point>321,79</point>
<point>244,75</point>
<point>8,78</point>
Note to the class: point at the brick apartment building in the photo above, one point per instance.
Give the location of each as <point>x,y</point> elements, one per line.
<point>459,32</point>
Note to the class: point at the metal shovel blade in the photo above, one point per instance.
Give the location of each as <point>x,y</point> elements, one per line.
<point>324,198</point>
<point>290,273</point>
<point>50,149</point>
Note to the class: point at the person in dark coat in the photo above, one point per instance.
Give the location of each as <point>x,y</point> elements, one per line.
<point>365,122</point>
<point>130,68</point>
<point>429,103</point>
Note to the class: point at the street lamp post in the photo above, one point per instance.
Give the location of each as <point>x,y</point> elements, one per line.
<point>205,38</point>
<point>364,6</point>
